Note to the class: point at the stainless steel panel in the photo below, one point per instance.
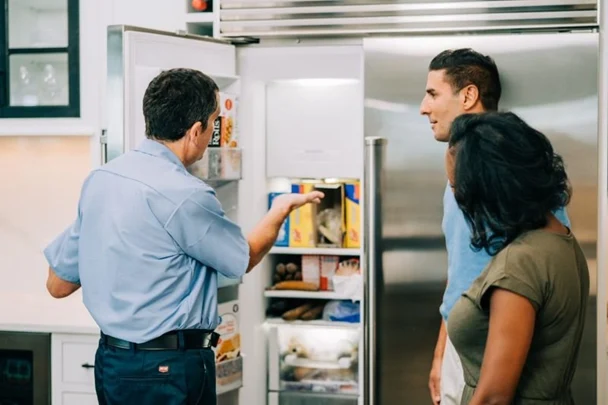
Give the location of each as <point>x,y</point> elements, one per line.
<point>602,241</point>
<point>354,17</point>
<point>375,151</point>
<point>548,79</point>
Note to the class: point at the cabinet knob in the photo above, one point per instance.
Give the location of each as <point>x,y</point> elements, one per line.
<point>87,365</point>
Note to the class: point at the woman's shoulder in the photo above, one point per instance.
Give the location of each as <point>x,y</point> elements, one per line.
<point>533,249</point>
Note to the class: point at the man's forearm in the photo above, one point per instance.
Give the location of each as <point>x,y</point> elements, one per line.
<point>441,341</point>
<point>59,288</point>
<point>263,236</point>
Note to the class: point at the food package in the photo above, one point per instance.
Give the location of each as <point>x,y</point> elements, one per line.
<point>311,269</point>
<point>283,239</point>
<point>301,222</point>
<point>329,264</point>
<point>229,344</point>
<point>228,359</point>
<point>225,129</point>
<point>348,281</point>
<point>329,216</point>
<point>352,213</point>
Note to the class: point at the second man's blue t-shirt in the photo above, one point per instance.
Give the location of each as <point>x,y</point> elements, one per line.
<point>464,263</point>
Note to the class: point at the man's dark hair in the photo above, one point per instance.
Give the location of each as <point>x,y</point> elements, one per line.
<point>507,177</point>
<point>464,67</point>
<point>175,100</point>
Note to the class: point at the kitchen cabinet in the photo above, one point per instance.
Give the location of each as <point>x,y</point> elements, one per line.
<point>71,398</point>
<point>72,373</point>
<point>40,59</point>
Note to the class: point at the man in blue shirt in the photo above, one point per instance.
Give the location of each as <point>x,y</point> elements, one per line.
<point>147,245</point>
<point>458,82</point>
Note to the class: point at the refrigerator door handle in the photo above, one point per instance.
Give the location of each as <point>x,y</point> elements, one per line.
<point>373,182</point>
<point>602,237</point>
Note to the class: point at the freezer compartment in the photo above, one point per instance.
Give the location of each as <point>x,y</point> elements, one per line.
<point>314,359</point>
<point>280,398</point>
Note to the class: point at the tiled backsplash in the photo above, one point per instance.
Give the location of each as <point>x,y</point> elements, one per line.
<point>40,180</point>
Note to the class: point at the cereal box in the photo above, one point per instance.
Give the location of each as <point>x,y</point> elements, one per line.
<point>301,221</point>
<point>229,363</point>
<point>225,130</point>
<point>283,239</point>
<point>353,215</point>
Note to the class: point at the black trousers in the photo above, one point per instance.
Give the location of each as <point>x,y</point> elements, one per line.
<point>150,377</point>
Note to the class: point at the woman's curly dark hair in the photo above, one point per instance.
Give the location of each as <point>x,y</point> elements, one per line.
<point>507,178</point>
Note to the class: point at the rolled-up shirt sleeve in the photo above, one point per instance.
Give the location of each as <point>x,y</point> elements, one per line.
<point>202,230</point>
<point>62,253</point>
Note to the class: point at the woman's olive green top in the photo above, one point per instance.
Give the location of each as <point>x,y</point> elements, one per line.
<point>549,270</point>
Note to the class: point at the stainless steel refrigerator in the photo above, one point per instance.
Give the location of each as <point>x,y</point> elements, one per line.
<point>548,79</point>
<point>287,131</point>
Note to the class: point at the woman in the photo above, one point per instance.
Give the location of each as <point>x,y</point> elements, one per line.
<point>518,328</point>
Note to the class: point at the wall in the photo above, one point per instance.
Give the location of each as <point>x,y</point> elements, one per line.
<point>40,180</point>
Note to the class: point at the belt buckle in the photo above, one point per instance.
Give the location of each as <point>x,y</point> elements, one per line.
<point>211,339</point>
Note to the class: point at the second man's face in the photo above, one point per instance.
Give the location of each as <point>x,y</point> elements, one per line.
<point>440,104</point>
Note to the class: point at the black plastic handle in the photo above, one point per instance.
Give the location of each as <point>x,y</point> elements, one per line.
<point>87,365</point>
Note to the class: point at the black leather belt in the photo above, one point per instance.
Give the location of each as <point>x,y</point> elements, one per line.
<point>176,340</point>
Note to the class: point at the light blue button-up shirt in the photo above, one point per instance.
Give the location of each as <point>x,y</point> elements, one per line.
<point>147,245</point>
<point>464,263</point>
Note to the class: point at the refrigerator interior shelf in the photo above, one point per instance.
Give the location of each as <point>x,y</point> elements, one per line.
<point>294,361</point>
<point>344,388</point>
<point>315,251</point>
<point>316,323</point>
<point>219,165</point>
<point>320,295</point>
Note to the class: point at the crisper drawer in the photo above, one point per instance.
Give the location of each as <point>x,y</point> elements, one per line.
<point>318,359</point>
<point>275,398</point>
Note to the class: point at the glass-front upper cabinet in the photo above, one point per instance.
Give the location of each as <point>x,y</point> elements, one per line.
<point>39,59</point>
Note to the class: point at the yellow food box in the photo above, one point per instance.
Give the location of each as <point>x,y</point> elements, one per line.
<point>353,215</point>
<point>301,221</point>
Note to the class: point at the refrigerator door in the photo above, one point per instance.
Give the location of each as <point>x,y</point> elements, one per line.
<point>550,80</point>
<point>135,56</point>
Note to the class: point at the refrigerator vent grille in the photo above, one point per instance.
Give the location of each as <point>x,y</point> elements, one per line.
<point>315,18</point>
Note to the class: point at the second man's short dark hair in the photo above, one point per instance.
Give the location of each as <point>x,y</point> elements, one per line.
<point>175,100</point>
<point>464,67</point>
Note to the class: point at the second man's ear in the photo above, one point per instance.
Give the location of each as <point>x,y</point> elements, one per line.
<point>470,96</point>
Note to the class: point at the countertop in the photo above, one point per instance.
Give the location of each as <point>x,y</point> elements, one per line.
<point>22,312</point>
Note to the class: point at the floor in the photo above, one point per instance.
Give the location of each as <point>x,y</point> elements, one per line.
<point>409,327</point>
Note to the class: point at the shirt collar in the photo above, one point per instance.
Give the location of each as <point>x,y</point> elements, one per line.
<point>157,149</point>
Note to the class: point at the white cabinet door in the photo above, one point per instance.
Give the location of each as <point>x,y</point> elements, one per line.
<point>75,398</point>
<point>72,373</point>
